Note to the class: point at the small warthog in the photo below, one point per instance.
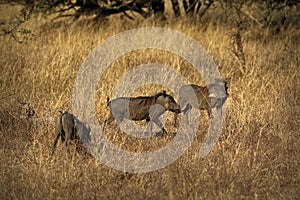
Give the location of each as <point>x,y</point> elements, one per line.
<point>69,128</point>
<point>143,107</point>
<point>206,101</point>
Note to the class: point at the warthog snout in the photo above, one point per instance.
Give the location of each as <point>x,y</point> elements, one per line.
<point>208,97</point>
<point>139,108</point>
<point>168,102</point>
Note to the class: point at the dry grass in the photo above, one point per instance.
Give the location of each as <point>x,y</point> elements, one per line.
<point>257,155</point>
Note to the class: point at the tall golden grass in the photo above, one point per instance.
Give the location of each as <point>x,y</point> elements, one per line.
<point>256,157</point>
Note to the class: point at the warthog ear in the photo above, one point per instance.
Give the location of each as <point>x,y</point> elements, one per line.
<point>107,101</point>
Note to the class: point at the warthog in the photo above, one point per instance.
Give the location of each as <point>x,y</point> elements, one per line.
<point>206,101</point>
<point>143,107</point>
<point>69,128</point>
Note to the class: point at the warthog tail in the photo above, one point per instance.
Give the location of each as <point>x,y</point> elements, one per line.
<point>107,101</point>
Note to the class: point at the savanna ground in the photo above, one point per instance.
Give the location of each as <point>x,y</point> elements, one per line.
<point>256,157</point>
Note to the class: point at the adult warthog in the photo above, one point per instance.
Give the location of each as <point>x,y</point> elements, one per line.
<point>139,108</point>
<point>207,97</point>
<point>69,128</point>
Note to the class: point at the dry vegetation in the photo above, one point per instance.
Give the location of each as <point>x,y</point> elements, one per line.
<point>256,157</point>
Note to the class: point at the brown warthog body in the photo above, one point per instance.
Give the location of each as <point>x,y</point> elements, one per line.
<point>147,108</point>
<point>204,99</point>
<point>64,129</point>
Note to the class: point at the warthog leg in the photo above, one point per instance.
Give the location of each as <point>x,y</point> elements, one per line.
<point>68,141</point>
<point>155,112</point>
<point>58,134</point>
<point>119,120</point>
<point>186,111</point>
<point>160,125</point>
